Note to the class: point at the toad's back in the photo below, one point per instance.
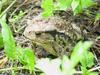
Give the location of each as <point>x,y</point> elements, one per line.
<point>40,24</point>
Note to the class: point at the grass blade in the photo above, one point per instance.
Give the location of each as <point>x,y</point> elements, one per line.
<point>9,43</point>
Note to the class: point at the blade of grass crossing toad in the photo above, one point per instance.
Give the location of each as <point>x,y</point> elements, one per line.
<point>9,43</point>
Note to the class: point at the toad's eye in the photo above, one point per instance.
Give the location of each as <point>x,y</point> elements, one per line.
<point>38,34</point>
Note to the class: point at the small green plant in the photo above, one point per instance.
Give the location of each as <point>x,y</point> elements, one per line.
<point>77,6</point>
<point>17,17</point>
<point>24,56</point>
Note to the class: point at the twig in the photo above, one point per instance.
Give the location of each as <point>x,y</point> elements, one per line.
<point>95,68</point>
<point>12,68</point>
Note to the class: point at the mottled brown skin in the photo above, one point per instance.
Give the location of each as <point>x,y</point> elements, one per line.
<point>47,33</point>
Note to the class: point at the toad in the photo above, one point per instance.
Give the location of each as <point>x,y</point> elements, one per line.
<point>54,34</point>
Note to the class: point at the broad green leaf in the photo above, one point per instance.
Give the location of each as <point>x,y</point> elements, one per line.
<point>79,50</point>
<point>79,5</point>
<point>20,55</point>
<point>27,58</point>
<point>9,43</point>
<point>48,7</point>
<point>64,4</point>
